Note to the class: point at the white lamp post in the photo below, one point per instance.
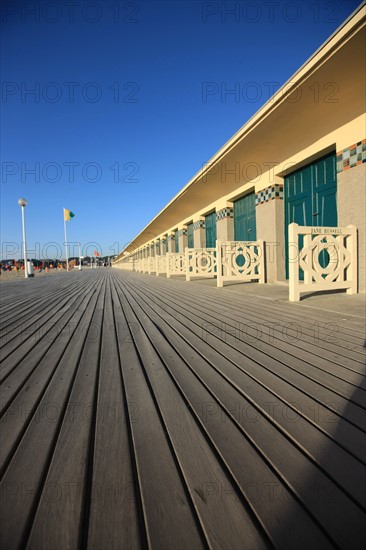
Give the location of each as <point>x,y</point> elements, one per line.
<point>22,203</point>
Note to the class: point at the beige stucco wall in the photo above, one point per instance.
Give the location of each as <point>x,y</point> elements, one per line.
<point>199,235</point>
<point>225,229</point>
<point>352,210</point>
<point>270,228</point>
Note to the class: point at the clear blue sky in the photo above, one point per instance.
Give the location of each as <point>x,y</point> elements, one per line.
<point>125,91</point>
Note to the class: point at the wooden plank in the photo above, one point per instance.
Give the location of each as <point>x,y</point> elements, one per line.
<point>25,316</point>
<point>113,519</point>
<point>348,324</point>
<point>285,364</point>
<point>24,478</point>
<point>350,519</point>
<point>31,330</point>
<point>312,408</point>
<point>170,521</point>
<point>321,368</point>
<point>315,340</point>
<point>19,411</point>
<point>19,366</point>
<point>223,522</point>
<point>29,292</point>
<point>144,429</point>
<point>58,523</point>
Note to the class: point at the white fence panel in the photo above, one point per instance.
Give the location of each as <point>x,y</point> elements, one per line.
<point>176,264</point>
<point>143,265</point>
<point>161,265</point>
<point>151,265</point>
<point>201,262</point>
<point>240,261</point>
<point>334,247</point>
<point>128,266</point>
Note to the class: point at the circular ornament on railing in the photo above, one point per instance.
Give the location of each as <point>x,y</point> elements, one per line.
<point>204,262</point>
<point>325,259</point>
<point>241,259</point>
<point>326,256</point>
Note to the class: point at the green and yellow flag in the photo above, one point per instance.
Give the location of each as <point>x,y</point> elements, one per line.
<point>68,215</point>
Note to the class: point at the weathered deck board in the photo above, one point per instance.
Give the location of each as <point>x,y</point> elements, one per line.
<point>114,496</point>
<point>30,461</point>
<point>59,522</point>
<point>301,328</point>
<point>145,419</point>
<point>30,335</point>
<point>331,375</point>
<point>279,371</point>
<point>306,435</point>
<point>40,309</point>
<point>220,521</point>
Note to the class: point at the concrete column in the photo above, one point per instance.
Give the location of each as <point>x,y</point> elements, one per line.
<point>199,233</point>
<point>163,246</point>
<point>225,223</point>
<point>152,250</point>
<point>270,220</point>
<point>171,248</point>
<point>182,239</point>
<point>351,206</point>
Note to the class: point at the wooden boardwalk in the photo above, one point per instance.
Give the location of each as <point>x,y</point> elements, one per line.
<point>142,412</point>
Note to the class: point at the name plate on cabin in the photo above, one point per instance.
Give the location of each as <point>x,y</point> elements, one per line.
<point>328,230</point>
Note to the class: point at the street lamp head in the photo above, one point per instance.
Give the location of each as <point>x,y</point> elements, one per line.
<point>22,202</point>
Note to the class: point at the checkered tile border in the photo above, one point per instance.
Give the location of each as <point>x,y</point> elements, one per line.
<point>224,213</point>
<point>269,193</point>
<point>198,224</point>
<point>351,156</point>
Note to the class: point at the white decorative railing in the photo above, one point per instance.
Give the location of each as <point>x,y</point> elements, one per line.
<point>228,261</point>
<point>176,264</point>
<point>161,265</point>
<point>124,265</point>
<point>240,261</point>
<point>151,265</point>
<point>327,257</point>
<point>201,262</point>
<point>143,265</point>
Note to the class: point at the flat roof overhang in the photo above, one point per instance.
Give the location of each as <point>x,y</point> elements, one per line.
<point>291,120</point>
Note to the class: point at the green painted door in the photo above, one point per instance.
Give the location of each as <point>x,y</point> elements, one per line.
<point>210,225</point>
<point>245,228</point>
<point>311,198</point>
<point>190,237</point>
<point>176,243</point>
